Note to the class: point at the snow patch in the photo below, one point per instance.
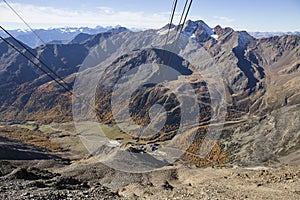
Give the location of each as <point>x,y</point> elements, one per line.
<point>63,30</point>
<point>23,30</point>
<point>113,143</point>
<point>215,36</point>
<point>190,28</point>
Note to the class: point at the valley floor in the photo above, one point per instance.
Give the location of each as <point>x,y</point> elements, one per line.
<point>64,171</point>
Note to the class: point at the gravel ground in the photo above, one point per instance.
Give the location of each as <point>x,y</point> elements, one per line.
<point>84,180</point>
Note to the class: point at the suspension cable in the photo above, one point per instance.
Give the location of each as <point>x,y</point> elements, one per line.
<point>170,25</point>
<point>49,75</point>
<point>69,87</point>
<point>35,64</point>
<point>31,53</point>
<point>23,21</point>
<point>181,28</point>
<point>181,17</point>
<point>34,32</point>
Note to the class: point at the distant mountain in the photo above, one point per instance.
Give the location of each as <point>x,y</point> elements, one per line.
<point>259,35</point>
<point>64,34</point>
<point>261,78</point>
<point>54,35</point>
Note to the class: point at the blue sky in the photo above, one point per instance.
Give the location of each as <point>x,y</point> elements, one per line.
<point>254,15</point>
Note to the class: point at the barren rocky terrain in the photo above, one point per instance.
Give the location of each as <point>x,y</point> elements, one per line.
<point>50,179</point>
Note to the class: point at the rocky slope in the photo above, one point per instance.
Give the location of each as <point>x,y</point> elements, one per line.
<point>56,180</point>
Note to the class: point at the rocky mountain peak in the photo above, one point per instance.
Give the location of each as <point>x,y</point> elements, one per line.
<point>165,27</point>
<point>203,26</point>
<point>244,38</point>
<point>198,30</point>
<point>80,38</point>
<point>222,31</point>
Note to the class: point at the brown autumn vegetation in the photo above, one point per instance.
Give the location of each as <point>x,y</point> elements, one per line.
<point>30,137</point>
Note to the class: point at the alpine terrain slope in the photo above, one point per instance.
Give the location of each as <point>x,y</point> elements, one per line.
<point>246,89</point>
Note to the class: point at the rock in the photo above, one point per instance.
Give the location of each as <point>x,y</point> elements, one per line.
<point>168,186</point>
<point>259,184</point>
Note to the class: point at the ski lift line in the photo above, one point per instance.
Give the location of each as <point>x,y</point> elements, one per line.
<point>35,64</point>
<point>171,18</point>
<point>178,30</point>
<point>31,53</point>
<point>69,89</point>
<point>170,25</point>
<point>187,12</point>
<point>49,75</point>
<point>181,28</point>
<point>186,2</point>
<point>176,39</point>
<point>31,29</point>
<point>174,5</point>
<point>34,32</point>
<point>181,17</point>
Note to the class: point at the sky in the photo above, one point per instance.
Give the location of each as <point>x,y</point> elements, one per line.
<point>254,15</point>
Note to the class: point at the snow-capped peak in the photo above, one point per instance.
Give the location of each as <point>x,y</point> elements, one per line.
<point>199,29</point>
<point>190,28</point>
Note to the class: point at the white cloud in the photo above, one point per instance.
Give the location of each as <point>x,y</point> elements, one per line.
<point>41,16</point>
<point>106,10</point>
<point>223,19</point>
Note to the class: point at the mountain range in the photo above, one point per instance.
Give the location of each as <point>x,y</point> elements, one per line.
<point>259,35</point>
<point>53,35</point>
<point>261,78</point>
<point>64,34</point>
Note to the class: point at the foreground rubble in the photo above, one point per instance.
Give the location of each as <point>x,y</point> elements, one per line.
<point>50,179</point>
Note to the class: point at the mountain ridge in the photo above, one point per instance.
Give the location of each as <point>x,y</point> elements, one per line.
<point>55,35</point>
<point>63,34</point>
